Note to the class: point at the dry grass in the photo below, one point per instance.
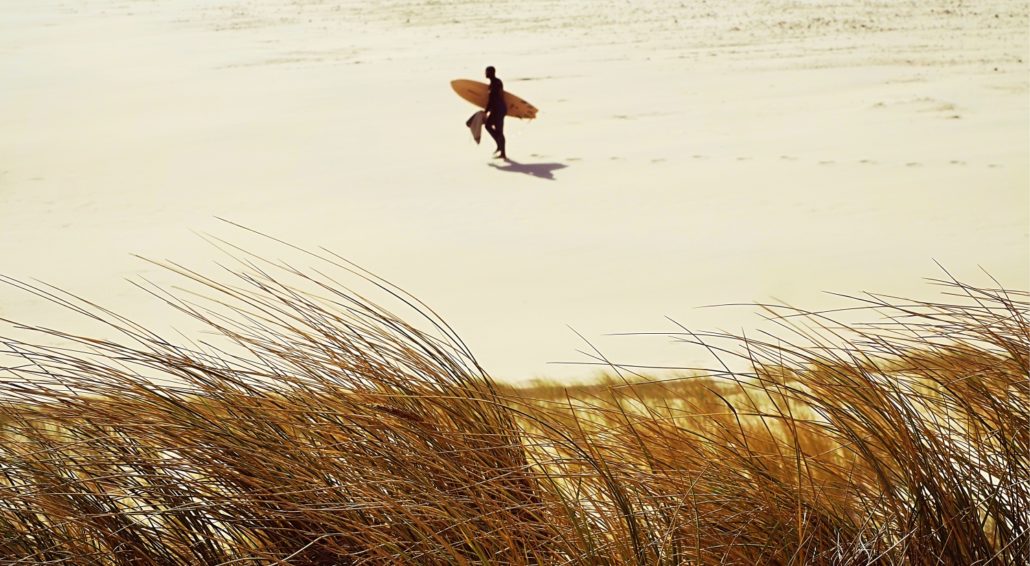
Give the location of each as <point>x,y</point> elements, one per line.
<point>333,431</point>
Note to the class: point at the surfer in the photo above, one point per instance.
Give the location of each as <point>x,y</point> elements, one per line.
<point>496,109</point>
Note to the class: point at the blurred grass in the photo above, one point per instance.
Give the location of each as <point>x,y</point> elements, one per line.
<point>333,431</point>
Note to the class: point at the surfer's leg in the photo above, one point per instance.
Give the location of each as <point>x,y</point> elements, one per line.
<point>494,130</point>
<point>500,136</point>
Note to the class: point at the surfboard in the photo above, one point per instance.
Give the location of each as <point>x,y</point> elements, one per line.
<point>477,93</point>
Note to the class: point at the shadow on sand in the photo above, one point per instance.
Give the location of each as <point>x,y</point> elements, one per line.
<point>538,170</point>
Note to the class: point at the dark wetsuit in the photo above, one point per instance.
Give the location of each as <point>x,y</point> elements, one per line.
<point>497,110</point>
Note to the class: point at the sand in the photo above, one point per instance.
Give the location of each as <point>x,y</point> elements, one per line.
<point>684,155</point>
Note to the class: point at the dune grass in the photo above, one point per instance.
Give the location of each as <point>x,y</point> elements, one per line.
<point>328,430</point>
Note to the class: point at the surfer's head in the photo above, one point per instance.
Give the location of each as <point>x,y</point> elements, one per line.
<point>490,72</point>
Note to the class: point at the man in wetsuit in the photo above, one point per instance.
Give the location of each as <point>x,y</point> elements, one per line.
<point>496,110</point>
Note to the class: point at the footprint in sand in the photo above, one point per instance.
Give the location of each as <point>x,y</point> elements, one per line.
<point>658,160</point>
<point>993,165</point>
<point>788,158</point>
<point>867,162</point>
<point>904,80</point>
<point>957,162</point>
<point>697,156</point>
<point>923,105</point>
<point>913,164</point>
<point>827,162</point>
<point>743,159</point>
<point>573,159</point>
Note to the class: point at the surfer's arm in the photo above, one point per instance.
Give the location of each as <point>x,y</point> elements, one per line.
<point>493,95</point>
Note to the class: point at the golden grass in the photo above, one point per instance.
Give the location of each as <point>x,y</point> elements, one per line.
<point>334,432</point>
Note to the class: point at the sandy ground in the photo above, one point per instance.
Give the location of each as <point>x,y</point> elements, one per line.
<point>685,154</point>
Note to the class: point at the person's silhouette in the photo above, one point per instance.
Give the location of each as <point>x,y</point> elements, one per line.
<point>496,110</point>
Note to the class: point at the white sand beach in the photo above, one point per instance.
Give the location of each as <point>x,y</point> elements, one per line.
<point>685,154</point>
